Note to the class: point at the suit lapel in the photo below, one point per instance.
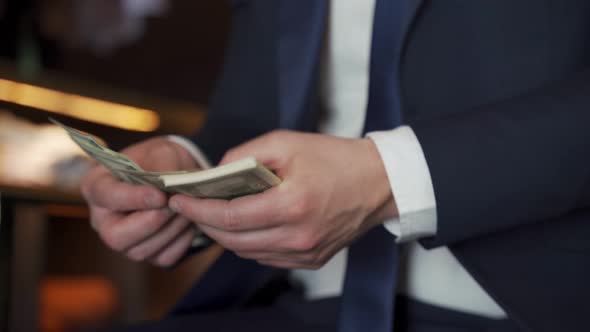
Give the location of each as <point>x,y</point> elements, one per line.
<point>300,37</point>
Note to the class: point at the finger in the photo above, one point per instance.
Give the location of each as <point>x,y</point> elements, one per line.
<point>99,215</point>
<point>107,192</point>
<point>267,149</point>
<point>160,239</point>
<point>286,265</point>
<point>272,239</point>
<point>176,250</point>
<point>254,212</point>
<point>310,257</point>
<point>273,256</point>
<point>123,232</point>
<point>163,155</point>
<point>91,176</point>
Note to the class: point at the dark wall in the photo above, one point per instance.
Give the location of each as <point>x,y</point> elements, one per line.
<point>178,56</point>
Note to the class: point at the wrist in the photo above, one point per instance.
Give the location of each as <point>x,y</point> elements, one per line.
<point>381,202</point>
<point>186,160</point>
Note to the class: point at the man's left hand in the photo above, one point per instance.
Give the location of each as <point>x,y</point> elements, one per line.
<point>333,191</point>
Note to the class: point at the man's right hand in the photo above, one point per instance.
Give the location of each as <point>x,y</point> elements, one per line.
<point>134,219</point>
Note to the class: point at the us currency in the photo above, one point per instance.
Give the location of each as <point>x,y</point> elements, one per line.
<point>115,162</point>
<point>226,187</point>
<point>250,180</point>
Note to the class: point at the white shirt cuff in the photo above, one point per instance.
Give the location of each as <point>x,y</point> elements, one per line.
<point>200,240</point>
<point>410,181</point>
<point>192,149</point>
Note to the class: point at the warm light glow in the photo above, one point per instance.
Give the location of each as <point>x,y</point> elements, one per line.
<point>93,110</point>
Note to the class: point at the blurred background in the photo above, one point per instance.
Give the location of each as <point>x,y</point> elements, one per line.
<point>123,70</point>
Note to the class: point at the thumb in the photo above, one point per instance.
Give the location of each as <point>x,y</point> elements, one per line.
<point>270,149</point>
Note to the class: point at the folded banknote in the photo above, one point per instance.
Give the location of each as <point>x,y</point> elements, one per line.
<point>243,177</point>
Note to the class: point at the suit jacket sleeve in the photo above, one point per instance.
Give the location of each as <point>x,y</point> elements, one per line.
<point>515,162</point>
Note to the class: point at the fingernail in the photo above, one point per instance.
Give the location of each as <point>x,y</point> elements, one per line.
<point>152,200</point>
<point>174,206</point>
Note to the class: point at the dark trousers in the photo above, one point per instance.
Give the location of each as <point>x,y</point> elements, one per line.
<point>292,313</point>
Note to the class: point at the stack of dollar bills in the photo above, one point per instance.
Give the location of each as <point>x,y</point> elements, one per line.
<point>243,177</point>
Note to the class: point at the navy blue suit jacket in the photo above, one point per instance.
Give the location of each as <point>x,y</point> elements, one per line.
<point>498,94</point>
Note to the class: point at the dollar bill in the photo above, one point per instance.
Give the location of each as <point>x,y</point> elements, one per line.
<point>228,187</point>
<point>240,178</point>
<point>112,160</point>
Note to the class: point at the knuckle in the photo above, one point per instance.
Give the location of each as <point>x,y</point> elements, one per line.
<point>138,255</point>
<point>313,261</point>
<point>161,149</point>
<point>278,133</point>
<point>321,260</point>
<point>313,267</point>
<point>233,154</point>
<point>300,209</point>
<point>244,254</point>
<point>166,260</point>
<point>113,239</point>
<point>305,242</point>
<point>153,221</point>
<point>116,198</point>
<point>163,156</point>
<point>311,258</point>
<point>94,222</point>
<point>230,220</point>
<point>128,196</point>
<point>91,182</point>
<point>233,244</point>
<point>91,173</point>
<point>276,136</point>
<point>86,190</point>
<point>229,154</point>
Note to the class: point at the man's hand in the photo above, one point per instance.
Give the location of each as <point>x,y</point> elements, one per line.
<point>135,219</point>
<point>333,191</point>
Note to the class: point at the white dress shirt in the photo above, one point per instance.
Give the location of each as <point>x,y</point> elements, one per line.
<point>431,276</point>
